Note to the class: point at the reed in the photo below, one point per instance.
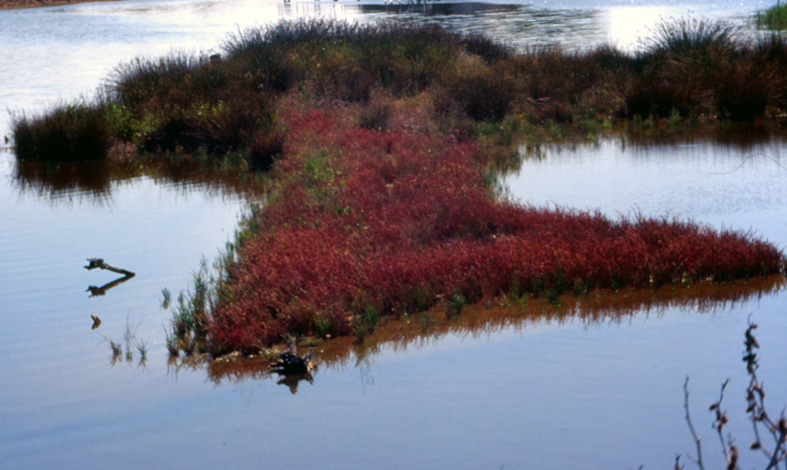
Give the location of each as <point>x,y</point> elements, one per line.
<point>70,132</point>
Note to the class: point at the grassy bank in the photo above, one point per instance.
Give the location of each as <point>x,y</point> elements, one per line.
<point>378,145</point>
<point>224,106</point>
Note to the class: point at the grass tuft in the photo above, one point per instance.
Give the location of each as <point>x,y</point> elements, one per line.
<point>72,132</point>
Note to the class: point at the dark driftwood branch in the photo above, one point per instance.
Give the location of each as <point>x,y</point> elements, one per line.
<point>100,264</point>
<point>691,426</point>
<point>721,420</point>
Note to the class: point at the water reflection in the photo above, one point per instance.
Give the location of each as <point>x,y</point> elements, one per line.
<point>233,370</point>
<point>430,328</point>
<point>93,182</point>
<point>72,181</point>
<point>292,381</point>
<point>738,137</point>
<point>100,291</point>
<point>516,24</point>
<point>655,138</point>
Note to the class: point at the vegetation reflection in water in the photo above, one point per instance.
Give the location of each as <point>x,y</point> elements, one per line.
<point>401,334</point>
<point>93,181</point>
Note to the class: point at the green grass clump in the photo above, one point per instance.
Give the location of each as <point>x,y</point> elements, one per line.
<point>774,18</point>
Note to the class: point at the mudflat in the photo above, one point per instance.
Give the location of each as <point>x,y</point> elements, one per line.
<point>5,4</point>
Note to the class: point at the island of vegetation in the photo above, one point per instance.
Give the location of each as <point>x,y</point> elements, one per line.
<point>378,146</point>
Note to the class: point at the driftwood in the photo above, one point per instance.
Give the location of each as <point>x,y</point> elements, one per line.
<point>100,264</point>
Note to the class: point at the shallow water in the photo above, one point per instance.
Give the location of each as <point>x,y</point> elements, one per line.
<point>584,386</point>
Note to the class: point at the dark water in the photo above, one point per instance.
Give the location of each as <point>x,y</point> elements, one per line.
<point>595,384</point>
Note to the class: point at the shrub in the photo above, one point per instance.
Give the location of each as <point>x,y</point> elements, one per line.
<point>375,116</point>
<point>745,91</point>
<point>217,129</point>
<point>484,94</point>
<point>685,65</point>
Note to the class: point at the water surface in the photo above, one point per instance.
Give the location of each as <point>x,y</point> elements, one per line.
<point>595,384</point>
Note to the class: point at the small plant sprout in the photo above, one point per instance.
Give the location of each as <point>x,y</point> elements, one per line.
<point>125,348</point>
<point>166,298</point>
<point>116,348</point>
<point>455,305</point>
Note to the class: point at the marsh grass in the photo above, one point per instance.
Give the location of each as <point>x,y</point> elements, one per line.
<point>702,67</point>
<point>193,313</point>
<point>365,322</point>
<point>72,132</point>
<point>456,303</point>
<point>375,116</point>
<point>124,349</point>
<point>516,295</point>
<point>189,316</point>
<point>117,350</point>
<point>691,38</point>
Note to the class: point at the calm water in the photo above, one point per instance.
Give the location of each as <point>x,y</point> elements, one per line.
<point>554,390</point>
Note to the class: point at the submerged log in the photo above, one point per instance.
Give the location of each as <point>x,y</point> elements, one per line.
<point>100,264</point>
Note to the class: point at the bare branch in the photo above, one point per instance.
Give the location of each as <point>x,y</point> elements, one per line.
<point>721,420</point>
<point>691,426</point>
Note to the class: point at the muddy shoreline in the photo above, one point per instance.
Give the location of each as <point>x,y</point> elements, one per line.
<point>9,4</point>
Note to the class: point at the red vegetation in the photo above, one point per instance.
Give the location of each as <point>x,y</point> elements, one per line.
<point>394,220</point>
